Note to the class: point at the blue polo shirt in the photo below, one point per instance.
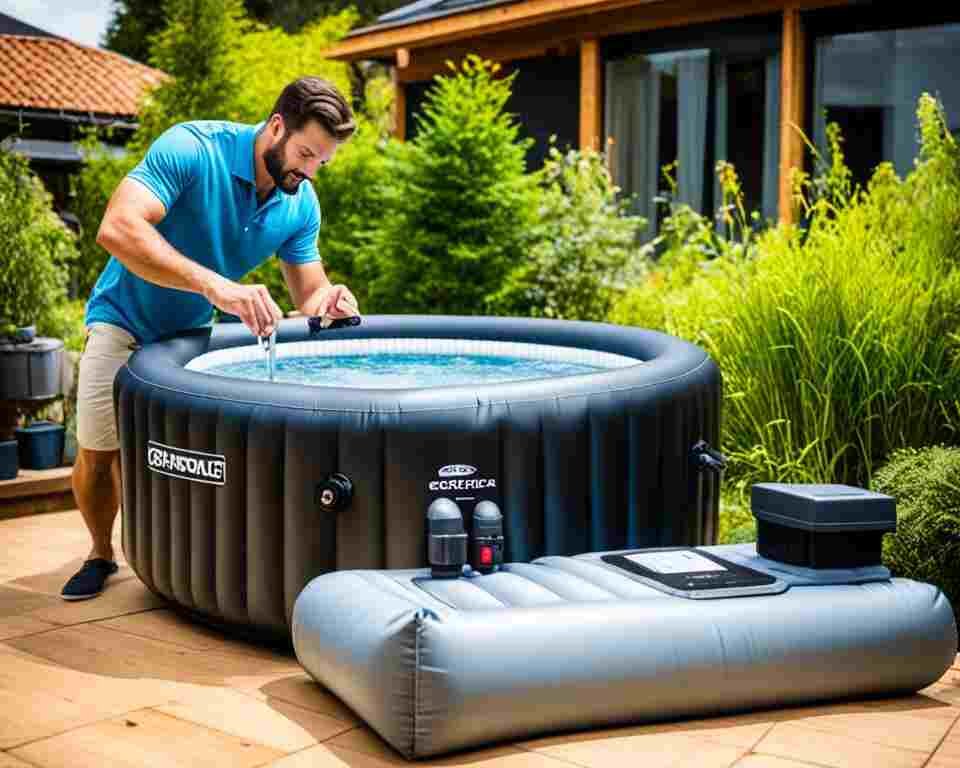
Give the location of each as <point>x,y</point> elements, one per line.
<point>203,173</point>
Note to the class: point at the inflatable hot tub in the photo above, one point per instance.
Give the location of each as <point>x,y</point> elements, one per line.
<point>238,492</point>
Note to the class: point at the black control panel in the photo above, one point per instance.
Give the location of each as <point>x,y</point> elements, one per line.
<point>685,569</point>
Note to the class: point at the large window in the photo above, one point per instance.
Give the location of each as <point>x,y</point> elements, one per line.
<point>692,107</point>
<point>868,82</point>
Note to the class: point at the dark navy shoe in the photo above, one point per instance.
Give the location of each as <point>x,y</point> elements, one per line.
<point>89,580</point>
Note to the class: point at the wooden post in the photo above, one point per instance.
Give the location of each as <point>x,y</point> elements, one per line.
<point>400,96</point>
<point>793,87</point>
<point>591,95</point>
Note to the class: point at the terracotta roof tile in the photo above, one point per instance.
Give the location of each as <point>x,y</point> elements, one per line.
<point>58,74</point>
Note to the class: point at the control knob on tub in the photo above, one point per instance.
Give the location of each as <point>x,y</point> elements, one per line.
<point>446,539</point>
<point>486,554</point>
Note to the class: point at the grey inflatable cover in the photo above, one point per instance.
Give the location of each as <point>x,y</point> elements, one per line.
<point>576,642</point>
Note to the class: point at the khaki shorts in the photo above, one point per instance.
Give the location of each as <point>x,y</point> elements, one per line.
<point>105,351</point>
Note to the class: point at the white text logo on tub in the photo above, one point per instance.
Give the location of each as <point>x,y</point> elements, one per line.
<point>457,470</point>
<point>186,465</point>
<point>453,475</point>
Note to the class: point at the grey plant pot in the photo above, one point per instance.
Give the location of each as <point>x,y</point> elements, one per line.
<point>9,460</point>
<point>31,371</point>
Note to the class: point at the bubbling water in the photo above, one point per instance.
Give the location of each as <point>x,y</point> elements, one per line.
<point>400,370</point>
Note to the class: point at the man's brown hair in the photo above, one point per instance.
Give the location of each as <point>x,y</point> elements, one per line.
<point>313,98</point>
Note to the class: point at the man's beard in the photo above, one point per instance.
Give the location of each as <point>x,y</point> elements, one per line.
<point>286,179</point>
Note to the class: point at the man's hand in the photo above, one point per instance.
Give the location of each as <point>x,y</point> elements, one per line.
<point>251,303</point>
<point>337,302</point>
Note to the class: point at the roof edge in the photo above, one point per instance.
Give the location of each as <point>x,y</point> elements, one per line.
<point>410,22</point>
<point>120,119</point>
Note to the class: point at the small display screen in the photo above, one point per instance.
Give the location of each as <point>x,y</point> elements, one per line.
<point>687,570</point>
<point>682,561</point>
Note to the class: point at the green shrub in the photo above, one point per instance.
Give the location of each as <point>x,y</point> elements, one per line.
<point>737,523</point>
<point>691,248</point>
<point>459,207</point>
<point>837,343</point>
<point>196,48</point>
<point>584,247</point>
<point>35,244</point>
<point>265,59</point>
<point>65,320</point>
<point>926,545</point>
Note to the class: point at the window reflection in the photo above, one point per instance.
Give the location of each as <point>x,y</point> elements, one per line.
<point>869,84</point>
<point>688,109</point>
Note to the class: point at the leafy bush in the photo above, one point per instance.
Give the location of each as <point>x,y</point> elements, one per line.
<point>36,247</point>
<point>196,48</point>
<point>692,249</point>
<point>584,245</point>
<point>838,343</point>
<point>65,320</point>
<point>737,523</point>
<point>459,208</point>
<point>264,60</point>
<point>926,545</point>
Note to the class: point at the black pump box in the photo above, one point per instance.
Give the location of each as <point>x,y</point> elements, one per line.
<point>821,526</point>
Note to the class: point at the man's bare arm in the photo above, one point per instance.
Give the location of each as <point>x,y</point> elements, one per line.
<point>313,293</point>
<point>128,231</point>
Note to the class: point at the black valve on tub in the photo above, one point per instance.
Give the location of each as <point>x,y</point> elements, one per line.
<point>334,492</point>
<point>446,539</point>
<point>486,550</point>
<point>706,457</point>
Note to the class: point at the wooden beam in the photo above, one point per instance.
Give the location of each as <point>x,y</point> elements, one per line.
<point>562,38</point>
<point>584,19</point>
<point>399,106</point>
<point>433,61</point>
<point>793,86</point>
<point>591,95</point>
<point>379,43</point>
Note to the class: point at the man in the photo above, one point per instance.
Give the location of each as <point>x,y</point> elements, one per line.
<point>210,201</point>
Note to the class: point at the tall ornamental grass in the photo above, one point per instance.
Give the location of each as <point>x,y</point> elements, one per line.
<point>837,340</point>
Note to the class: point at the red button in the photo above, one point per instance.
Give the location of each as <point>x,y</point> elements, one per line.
<point>486,555</point>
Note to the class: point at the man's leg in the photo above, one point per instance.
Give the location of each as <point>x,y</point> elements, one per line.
<point>96,487</point>
<point>96,473</point>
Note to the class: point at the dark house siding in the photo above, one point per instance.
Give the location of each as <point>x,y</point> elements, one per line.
<point>544,98</point>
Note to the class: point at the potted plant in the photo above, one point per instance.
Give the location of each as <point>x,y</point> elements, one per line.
<point>36,248</point>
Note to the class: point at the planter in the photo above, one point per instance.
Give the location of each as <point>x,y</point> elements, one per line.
<point>22,335</point>
<point>9,465</point>
<point>41,445</point>
<point>12,334</point>
<point>31,371</point>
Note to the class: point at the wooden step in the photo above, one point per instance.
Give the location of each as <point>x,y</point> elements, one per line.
<point>34,491</point>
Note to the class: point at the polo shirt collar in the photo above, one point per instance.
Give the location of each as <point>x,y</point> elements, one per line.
<point>243,166</point>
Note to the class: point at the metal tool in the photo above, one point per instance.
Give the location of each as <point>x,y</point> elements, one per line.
<point>269,345</point>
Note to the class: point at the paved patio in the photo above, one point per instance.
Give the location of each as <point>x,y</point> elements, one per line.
<point>121,681</point>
